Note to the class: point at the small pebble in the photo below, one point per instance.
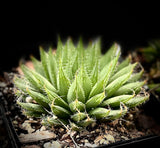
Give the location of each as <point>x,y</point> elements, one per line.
<point>1,94</point>
<point>98,139</point>
<point>97,130</point>
<point>2,84</point>
<point>61,129</point>
<point>53,144</point>
<point>43,128</point>
<point>106,142</point>
<point>15,122</point>
<point>123,137</point>
<point>86,141</point>
<point>29,99</point>
<point>109,138</point>
<point>77,136</point>
<point>27,127</point>
<point>130,116</point>
<point>102,141</point>
<point>90,145</point>
<point>93,124</point>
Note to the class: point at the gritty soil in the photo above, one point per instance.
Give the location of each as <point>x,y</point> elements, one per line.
<point>31,133</point>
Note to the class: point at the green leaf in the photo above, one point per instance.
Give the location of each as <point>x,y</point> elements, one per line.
<point>115,114</point>
<point>76,106</point>
<point>63,83</point>
<point>75,65</point>
<point>56,99</point>
<point>109,55</point>
<point>37,66</point>
<point>75,127</point>
<point>123,71</point>
<point>136,101</point>
<point>78,116</point>
<point>95,73</point>
<point>136,76</point>
<point>84,80</point>
<point>43,82</point>
<point>129,88</point>
<point>92,54</point>
<point>99,112</point>
<point>44,59</point>
<point>52,68</point>
<point>116,84</point>
<point>104,76</point>
<point>32,114</point>
<point>76,91</point>
<point>86,122</point>
<point>95,101</point>
<point>115,101</point>
<point>39,98</point>
<point>37,80</point>
<point>22,84</point>
<point>30,77</point>
<point>51,121</point>
<point>32,107</point>
<point>154,86</point>
<point>60,111</point>
<point>123,64</point>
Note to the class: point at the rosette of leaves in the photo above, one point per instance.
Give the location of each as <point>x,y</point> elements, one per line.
<point>78,85</point>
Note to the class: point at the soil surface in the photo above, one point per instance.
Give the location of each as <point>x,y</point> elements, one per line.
<point>31,133</point>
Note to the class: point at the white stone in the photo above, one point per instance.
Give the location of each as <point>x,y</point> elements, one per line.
<point>27,126</point>
<point>109,138</point>
<point>53,144</point>
<point>29,99</point>
<point>43,128</point>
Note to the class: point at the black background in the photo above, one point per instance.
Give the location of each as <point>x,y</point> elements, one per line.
<point>26,25</point>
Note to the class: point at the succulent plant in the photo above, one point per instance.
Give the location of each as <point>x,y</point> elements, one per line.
<point>78,85</point>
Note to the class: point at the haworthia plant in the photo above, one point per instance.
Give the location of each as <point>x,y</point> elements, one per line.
<point>77,86</point>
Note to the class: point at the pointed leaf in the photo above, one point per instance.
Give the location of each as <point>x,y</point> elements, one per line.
<point>115,114</point>
<point>116,84</point>
<point>56,99</point>
<point>86,122</point>
<point>99,112</point>
<point>94,74</point>
<point>136,101</point>
<point>122,71</point>
<point>31,78</point>
<point>115,101</point>
<point>22,84</point>
<point>44,59</point>
<point>39,98</point>
<point>76,92</point>
<point>105,75</point>
<point>109,55</point>
<point>85,81</point>
<point>95,100</point>
<point>32,107</point>
<point>52,68</point>
<point>60,111</point>
<point>129,88</point>
<point>37,66</point>
<point>76,106</point>
<point>136,76</point>
<point>78,116</point>
<point>123,64</point>
<point>63,83</point>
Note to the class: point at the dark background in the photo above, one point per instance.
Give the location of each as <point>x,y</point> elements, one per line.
<point>26,25</point>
